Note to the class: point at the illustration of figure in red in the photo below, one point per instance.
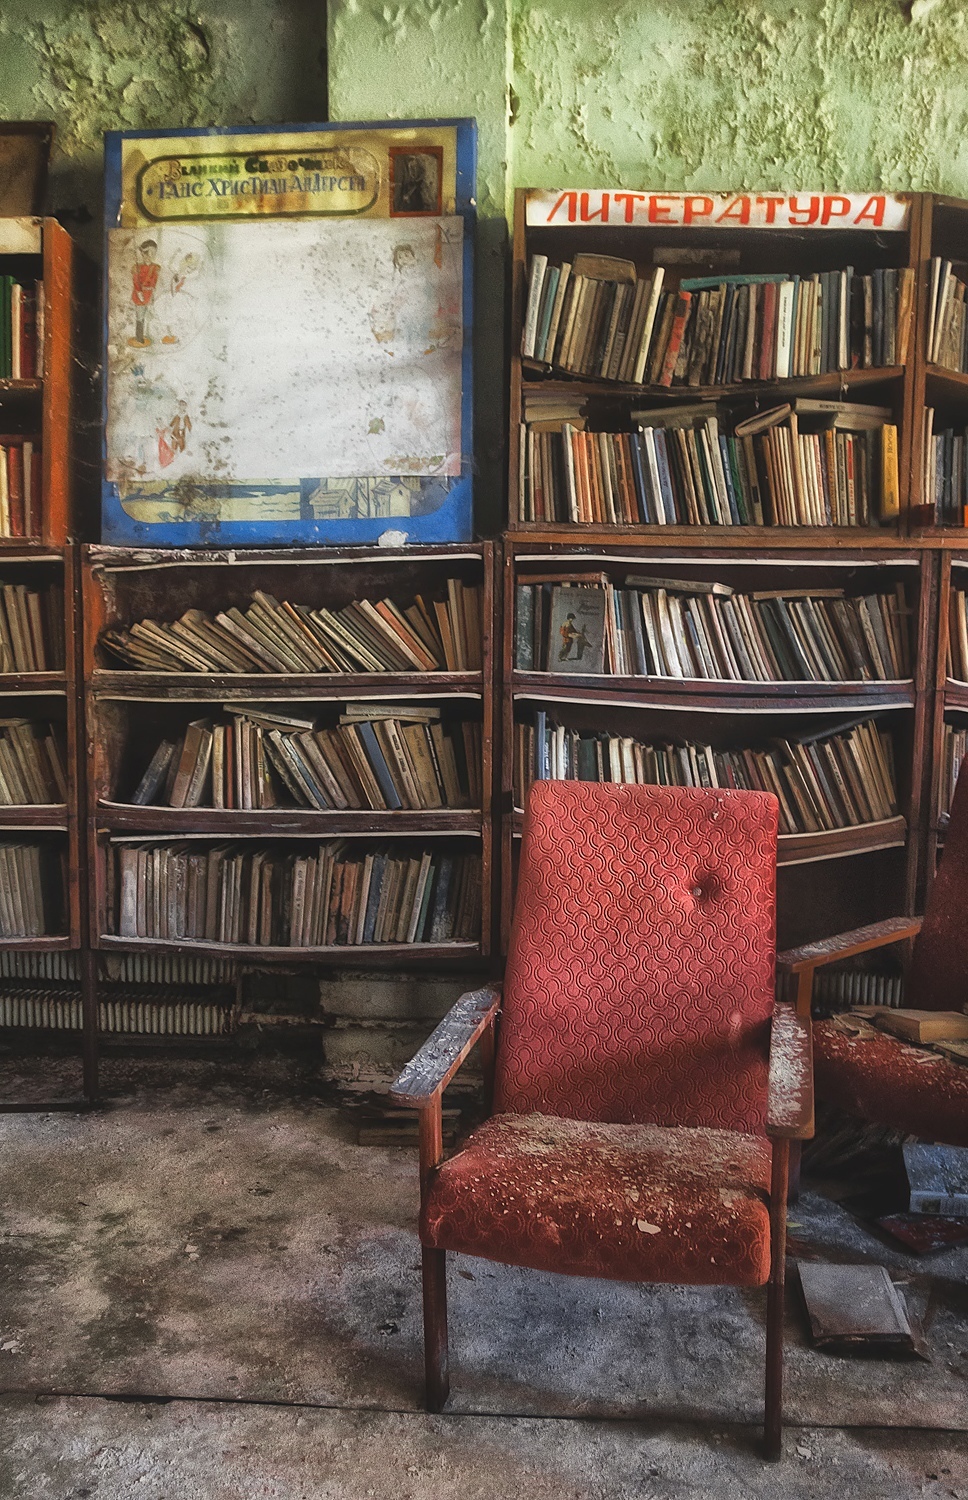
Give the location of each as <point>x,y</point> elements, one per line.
<point>166,446</point>
<point>144,280</point>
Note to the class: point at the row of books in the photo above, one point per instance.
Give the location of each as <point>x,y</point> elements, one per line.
<point>32,764</point>
<point>281,637</point>
<point>679,468</point>
<point>947,323</point>
<point>21,329</point>
<point>333,894</point>
<point>596,317</point>
<point>656,627</point>
<point>953,753</point>
<point>20,487</point>
<point>25,890</point>
<point>838,778</point>
<point>958,635</point>
<point>31,629</point>
<point>387,756</point>
<point>945,486</point>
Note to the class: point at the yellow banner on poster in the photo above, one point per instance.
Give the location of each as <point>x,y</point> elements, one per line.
<point>390,173</point>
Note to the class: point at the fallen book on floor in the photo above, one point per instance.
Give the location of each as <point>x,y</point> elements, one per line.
<point>852,1308</point>
<point>923,1234</point>
<point>938,1179</point>
<point>923,1025</point>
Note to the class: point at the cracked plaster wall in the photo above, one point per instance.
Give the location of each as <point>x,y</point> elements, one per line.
<point>843,94</point>
<point>96,65</point>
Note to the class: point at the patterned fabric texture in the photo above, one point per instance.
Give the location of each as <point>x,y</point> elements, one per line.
<point>938,978</point>
<point>882,1079</point>
<point>640,979</point>
<point>626,1202</point>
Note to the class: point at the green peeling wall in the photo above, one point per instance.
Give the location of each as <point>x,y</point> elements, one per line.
<point>648,93</point>
<point>96,65</point>
<point>672,94</point>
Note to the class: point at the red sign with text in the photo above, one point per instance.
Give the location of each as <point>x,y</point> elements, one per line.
<point>577,206</point>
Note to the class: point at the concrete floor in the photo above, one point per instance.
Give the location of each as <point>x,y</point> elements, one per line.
<point>208,1289</point>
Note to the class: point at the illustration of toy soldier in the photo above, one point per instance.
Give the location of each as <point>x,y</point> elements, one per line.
<point>144,280</point>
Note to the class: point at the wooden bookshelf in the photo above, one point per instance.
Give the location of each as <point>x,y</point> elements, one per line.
<point>51,410</point>
<point>128,711</point>
<point>949,708</point>
<point>943,223</point>
<point>827,879</point>
<point>707,250</point>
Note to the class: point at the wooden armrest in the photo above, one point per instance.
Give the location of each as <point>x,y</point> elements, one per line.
<point>428,1073</point>
<point>845,944</point>
<point>789,1111</point>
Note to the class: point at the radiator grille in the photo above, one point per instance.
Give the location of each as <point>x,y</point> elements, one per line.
<point>838,991</point>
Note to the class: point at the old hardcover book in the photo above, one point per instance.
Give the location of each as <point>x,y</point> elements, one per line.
<point>924,1025</point>
<point>938,1178</point>
<point>192,749</point>
<point>153,778</point>
<point>577,631</point>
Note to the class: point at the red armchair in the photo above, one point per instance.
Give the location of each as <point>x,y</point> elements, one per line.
<point>880,1078</point>
<point>645,1089</point>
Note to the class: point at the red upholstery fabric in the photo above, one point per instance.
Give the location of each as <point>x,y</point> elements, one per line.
<point>627,1202</point>
<point>938,978</point>
<point>640,979</point>
<point>888,1082</point>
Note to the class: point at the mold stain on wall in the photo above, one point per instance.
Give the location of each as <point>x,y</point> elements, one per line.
<point>97,65</point>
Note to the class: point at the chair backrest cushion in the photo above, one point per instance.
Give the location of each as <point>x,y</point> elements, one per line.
<point>938,977</point>
<point>640,978</point>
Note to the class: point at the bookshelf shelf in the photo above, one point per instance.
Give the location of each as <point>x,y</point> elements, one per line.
<point>956,381</point>
<point>283,822</point>
<point>191,687</point>
<point>21,387</point>
<point>805,385</point>
<point>36,684</point>
<point>61,943</point>
<point>695,538</point>
<point>724,697</point>
<point>377,954</point>
<point>52,817</point>
<point>809,848</point>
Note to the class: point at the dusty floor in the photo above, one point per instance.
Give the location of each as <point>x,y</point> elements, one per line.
<point>207,1289</point>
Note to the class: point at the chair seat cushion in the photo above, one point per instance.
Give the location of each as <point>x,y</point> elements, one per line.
<point>889,1082</point>
<point>626,1202</point>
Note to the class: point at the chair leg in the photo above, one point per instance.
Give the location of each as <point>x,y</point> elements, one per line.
<point>435,1328</point>
<point>773,1420</point>
<point>793,1192</point>
<point>773,1415</point>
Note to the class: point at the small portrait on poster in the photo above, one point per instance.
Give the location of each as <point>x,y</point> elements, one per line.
<point>577,642</point>
<point>415,181</point>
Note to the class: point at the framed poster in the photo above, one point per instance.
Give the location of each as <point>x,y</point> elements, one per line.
<point>288,335</point>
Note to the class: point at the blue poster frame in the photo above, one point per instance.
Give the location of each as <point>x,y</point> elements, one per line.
<point>452,521</point>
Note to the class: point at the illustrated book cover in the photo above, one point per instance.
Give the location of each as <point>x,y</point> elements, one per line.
<point>288,335</point>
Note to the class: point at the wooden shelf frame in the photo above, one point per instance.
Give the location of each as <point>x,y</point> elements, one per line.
<point>59,408</point>
<point>116,584</point>
<point>767,249</point>
<point>751,705</point>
